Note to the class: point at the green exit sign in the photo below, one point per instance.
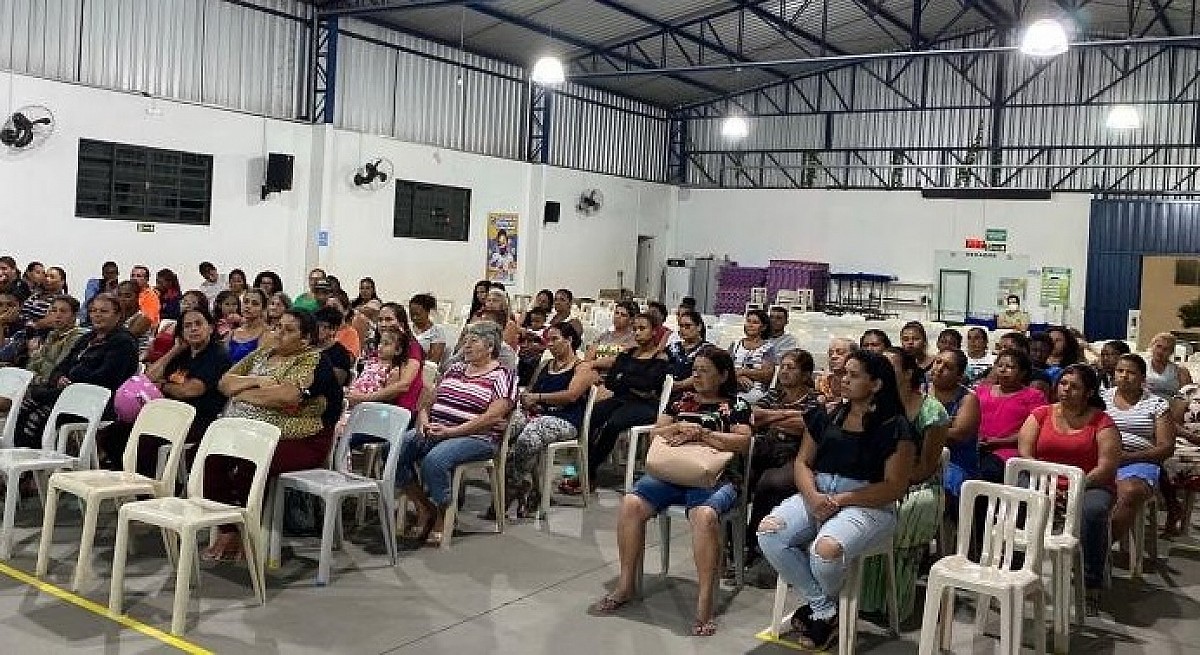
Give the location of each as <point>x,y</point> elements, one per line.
<point>145,227</point>
<point>995,235</point>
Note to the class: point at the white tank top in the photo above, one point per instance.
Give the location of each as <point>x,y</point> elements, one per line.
<point>1164,385</point>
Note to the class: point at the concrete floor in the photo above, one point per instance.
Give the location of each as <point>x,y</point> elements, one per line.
<point>526,591</point>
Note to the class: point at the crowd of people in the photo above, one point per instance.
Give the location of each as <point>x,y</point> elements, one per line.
<point>842,458</point>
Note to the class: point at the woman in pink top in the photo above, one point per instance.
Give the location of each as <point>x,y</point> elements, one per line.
<point>1003,408</point>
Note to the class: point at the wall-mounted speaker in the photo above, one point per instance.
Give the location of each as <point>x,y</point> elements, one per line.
<point>552,212</point>
<point>279,173</point>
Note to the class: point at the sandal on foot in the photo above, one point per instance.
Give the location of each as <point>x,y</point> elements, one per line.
<point>800,619</point>
<point>609,604</point>
<point>704,627</point>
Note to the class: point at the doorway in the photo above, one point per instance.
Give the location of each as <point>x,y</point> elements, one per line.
<point>643,283</point>
<point>954,295</point>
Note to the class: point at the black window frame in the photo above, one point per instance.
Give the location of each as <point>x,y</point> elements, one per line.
<point>1187,272</point>
<point>405,224</point>
<point>126,182</point>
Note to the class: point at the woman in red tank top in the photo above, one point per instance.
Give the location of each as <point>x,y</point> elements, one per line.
<point>1076,431</point>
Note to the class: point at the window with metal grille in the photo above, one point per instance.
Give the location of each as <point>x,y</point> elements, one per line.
<point>430,211</point>
<point>135,183</point>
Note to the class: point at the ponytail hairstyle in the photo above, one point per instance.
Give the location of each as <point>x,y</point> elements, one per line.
<point>1091,383</point>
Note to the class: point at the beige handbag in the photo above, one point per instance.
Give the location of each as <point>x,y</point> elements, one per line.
<point>688,465</point>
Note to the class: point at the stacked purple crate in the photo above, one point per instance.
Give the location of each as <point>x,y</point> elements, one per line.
<point>793,274</point>
<point>733,287</point>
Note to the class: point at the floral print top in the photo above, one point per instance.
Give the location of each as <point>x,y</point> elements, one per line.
<point>718,417</point>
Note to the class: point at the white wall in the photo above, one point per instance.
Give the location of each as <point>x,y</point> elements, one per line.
<point>892,232</point>
<point>38,187</point>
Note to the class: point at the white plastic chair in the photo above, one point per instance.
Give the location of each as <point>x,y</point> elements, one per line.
<point>734,520</point>
<point>992,574</point>
<point>14,382</point>
<point>241,438</point>
<point>1145,538</point>
<point>84,400</point>
<point>847,600</point>
<point>580,447</point>
<point>1061,544</point>
<point>163,418</point>
<point>387,422</point>
<point>664,397</point>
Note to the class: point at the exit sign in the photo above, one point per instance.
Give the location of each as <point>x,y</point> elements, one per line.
<point>145,227</point>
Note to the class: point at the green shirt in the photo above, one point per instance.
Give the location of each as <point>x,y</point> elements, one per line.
<point>305,302</point>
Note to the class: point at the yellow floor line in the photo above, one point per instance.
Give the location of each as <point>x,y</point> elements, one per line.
<point>766,636</point>
<point>96,608</point>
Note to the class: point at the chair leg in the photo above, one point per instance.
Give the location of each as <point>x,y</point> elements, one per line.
<point>253,562</point>
<point>183,582</point>
<point>585,479</point>
<point>946,624</point>
<point>452,511</point>
<point>739,550</point>
<point>931,619</point>
<point>387,514</point>
<point>87,538</point>
<point>848,608</point>
<point>48,518</point>
<point>1077,585</point>
<point>275,535</point>
<point>1010,633</point>
<point>498,498</point>
<point>893,606</point>
<point>983,605</point>
<point>332,507</point>
<point>778,607</point>
<point>169,545</point>
<point>544,502</point>
<point>116,589</point>
<point>1039,621</point>
<point>1137,549</point>
<point>664,543</point>
<point>12,496</point>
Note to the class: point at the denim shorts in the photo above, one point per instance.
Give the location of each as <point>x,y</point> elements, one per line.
<point>660,495</point>
<point>1144,471</point>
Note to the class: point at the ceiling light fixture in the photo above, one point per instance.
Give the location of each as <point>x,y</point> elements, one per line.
<point>548,70</point>
<point>735,127</point>
<point>1044,38</point>
<point>1123,117</point>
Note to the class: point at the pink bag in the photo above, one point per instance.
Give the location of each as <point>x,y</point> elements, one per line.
<point>132,395</point>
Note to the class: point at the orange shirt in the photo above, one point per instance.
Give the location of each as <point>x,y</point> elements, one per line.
<point>348,337</point>
<point>149,304</point>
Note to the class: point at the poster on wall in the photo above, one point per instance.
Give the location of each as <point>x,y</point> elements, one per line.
<point>1010,286</point>
<point>1056,286</point>
<point>501,247</point>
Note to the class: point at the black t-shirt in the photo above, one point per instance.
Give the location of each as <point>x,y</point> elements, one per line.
<point>636,379</point>
<point>207,366</point>
<point>859,455</point>
<point>325,383</point>
<point>339,359</point>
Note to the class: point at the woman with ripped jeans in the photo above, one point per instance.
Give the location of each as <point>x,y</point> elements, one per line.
<point>850,477</point>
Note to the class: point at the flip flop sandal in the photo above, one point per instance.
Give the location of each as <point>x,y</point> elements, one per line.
<point>609,604</point>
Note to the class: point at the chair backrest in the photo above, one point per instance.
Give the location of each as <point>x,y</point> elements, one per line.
<point>241,438</point>
<point>1043,477</point>
<point>166,419</point>
<point>86,401</point>
<point>664,396</point>
<point>380,420</point>
<point>1012,515</point>
<point>14,382</point>
<point>585,427</point>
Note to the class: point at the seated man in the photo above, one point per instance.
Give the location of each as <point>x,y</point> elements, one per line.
<point>781,341</point>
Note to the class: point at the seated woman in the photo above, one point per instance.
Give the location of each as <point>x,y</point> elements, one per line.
<point>106,357</point>
<point>874,340</point>
<point>1106,368</point>
<point>189,372</point>
<point>561,310</point>
<point>754,357</point>
<point>979,357</point>
<point>915,342</point>
<point>289,385</point>
<point>430,335</point>
<point>131,317</point>
<point>551,410</point>
<point>48,352</point>
<point>543,299</point>
<point>615,340</point>
<point>364,310</point>
<point>1076,431</point>
<point>949,339</point>
<point>345,333</point>
<point>246,337</point>
<point>227,309</point>
<point>790,410</point>
<point>329,321</point>
<point>681,354</point>
<point>850,477</point>
<point>919,516</point>
<point>962,405</point>
<point>1147,439</point>
<point>635,380</point>
<point>712,415</point>
<point>166,337</point>
<point>166,284</point>
<point>533,345</point>
<point>269,282</point>
<point>462,421</point>
<point>1003,408</point>
<point>392,376</point>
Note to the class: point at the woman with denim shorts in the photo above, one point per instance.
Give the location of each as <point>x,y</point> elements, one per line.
<point>1147,438</point>
<point>849,478</point>
<point>713,415</point>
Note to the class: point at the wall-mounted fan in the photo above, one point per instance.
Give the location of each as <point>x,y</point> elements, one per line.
<point>590,202</point>
<point>373,175</point>
<point>27,128</point>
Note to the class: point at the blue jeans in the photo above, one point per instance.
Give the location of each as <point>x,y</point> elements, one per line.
<point>791,549</point>
<point>437,460</point>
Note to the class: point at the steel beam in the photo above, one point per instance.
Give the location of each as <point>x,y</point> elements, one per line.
<point>537,149</point>
<point>322,78</point>
<point>677,150</point>
<point>368,7</point>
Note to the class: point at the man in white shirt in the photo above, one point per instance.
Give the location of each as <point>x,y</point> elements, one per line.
<point>213,283</point>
